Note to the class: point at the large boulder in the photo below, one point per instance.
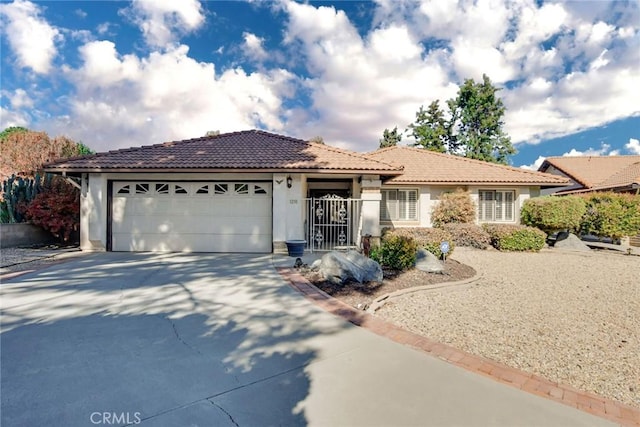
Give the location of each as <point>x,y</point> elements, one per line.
<point>426,261</point>
<point>339,267</point>
<point>573,243</point>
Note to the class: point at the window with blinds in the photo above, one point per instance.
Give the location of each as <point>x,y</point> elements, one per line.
<point>496,205</point>
<point>399,205</point>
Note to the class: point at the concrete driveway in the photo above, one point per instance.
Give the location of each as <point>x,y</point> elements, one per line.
<point>220,340</point>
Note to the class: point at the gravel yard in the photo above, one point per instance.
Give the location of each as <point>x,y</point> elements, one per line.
<point>570,317</point>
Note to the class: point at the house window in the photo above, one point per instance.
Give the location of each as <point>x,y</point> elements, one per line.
<point>496,205</point>
<point>399,205</point>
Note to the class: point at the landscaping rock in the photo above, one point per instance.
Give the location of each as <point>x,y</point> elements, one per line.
<point>339,267</point>
<point>572,242</point>
<point>426,261</point>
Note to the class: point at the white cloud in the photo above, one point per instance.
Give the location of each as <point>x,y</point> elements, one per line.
<point>31,38</point>
<point>163,21</point>
<point>80,13</point>
<point>20,99</point>
<point>126,100</point>
<point>253,48</point>
<point>604,150</point>
<point>633,146</point>
<point>535,165</point>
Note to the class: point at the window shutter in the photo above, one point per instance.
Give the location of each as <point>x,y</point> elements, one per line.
<point>412,206</point>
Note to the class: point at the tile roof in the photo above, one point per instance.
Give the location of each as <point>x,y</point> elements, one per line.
<point>598,172</point>
<point>254,150</point>
<point>424,166</point>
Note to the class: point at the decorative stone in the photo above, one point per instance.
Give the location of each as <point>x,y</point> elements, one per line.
<point>573,243</point>
<point>339,267</point>
<point>426,261</point>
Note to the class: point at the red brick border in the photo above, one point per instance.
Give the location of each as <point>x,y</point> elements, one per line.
<point>531,383</point>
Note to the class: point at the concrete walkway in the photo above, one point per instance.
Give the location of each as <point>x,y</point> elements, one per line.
<point>221,340</point>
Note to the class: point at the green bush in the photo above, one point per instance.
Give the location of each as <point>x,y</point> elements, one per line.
<point>553,213</point>
<point>428,238</point>
<point>454,207</point>
<point>507,237</point>
<point>470,235</point>
<point>396,252</point>
<point>611,214</point>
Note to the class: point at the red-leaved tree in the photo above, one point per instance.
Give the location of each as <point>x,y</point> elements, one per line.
<point>56,209</point>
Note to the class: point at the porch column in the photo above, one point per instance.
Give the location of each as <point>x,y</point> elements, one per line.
<point>371,197</point>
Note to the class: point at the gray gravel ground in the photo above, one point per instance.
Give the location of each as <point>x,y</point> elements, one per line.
<point>570,317</point>
<point>22,259</point>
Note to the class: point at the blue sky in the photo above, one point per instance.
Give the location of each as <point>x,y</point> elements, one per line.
<point>120,74</point>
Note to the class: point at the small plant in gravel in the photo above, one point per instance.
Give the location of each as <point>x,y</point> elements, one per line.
<point>428,238</point>
<point>470,235</point>
<point>456,207</point>
<point>396,252</point>
<point>507,237</point>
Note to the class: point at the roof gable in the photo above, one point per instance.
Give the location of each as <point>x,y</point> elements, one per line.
<point>597,171</point>
<point>424,166</point>
<point>237,151</point>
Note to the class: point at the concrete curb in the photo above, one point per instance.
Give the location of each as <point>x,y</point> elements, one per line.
<point>620,413</point>
<point>380,302</point>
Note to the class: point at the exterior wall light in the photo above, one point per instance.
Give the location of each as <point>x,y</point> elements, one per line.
<point>289,181</point>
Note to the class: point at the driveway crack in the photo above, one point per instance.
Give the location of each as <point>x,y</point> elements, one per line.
<point>177,334</point>
<point>223,410</point>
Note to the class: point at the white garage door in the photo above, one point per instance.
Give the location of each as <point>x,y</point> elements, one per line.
<point>191,216</point>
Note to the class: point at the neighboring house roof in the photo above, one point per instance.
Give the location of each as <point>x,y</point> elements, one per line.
<point>428,167</point>
<point>597,172</point>
<point>254,150</point>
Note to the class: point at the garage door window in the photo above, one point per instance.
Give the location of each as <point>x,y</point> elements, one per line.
<point>162,188</point>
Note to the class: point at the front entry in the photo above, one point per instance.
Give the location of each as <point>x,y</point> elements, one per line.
<point>331,220</point>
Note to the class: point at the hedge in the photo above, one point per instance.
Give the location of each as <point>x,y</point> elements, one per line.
<point>611,215</point>
<point>552,213</point>
<point>507,237</point>
<point>428,238</point>
<point>470,235</point>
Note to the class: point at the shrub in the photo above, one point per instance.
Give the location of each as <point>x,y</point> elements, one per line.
<point>470,235</point>
<point>456,207</point>
<point>611,215</point>
<point>56,209</point>
<point>428,238</point>
<point>396,252</point>
<point>552,213</point>
<point>507,237</point>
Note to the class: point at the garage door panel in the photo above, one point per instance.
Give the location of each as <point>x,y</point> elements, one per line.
<point>202,222</point>
<point>173,242</point>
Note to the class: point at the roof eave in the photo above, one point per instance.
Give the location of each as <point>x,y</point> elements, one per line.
<point>512,183</point>
<point>223,170</point>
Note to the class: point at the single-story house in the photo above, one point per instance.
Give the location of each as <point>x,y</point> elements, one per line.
<point>620,174</point>
<point>251,191</point>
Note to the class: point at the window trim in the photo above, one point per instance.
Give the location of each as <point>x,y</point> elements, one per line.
<point>406,202</point>
<point>503,202</point>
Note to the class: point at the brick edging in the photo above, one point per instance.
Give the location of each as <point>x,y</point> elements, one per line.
<point>606,408</point>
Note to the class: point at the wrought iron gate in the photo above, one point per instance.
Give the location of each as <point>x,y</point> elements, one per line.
<point>332,222</point>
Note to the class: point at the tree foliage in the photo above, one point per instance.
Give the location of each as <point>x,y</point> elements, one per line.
<point>431,130</point>
<point>56,209</point>
<point>472,127</point>
<point>390,138</point>
<point>24,152</point>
